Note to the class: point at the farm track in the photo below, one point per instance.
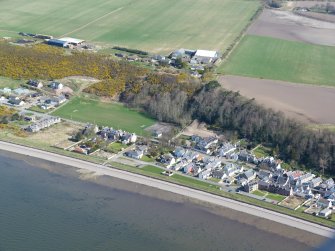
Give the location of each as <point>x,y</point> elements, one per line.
<point>93,21</point>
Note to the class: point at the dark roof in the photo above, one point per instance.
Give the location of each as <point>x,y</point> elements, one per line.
<point>57,42</point>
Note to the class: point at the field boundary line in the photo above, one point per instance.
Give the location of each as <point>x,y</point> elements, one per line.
<point>93,21</point>
<point>8,31</point>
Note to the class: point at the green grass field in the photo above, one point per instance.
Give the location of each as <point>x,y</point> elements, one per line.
<point>270,58</point>
<point>105,114</point>
<point>153,25</point>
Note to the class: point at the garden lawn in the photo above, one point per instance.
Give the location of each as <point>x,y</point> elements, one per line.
<point>113,115</point>
<point>276,197</point>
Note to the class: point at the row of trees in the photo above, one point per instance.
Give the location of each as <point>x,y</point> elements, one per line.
<point>229,110</point>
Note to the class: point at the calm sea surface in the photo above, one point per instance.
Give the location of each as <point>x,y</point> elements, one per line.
<point>42,211</point>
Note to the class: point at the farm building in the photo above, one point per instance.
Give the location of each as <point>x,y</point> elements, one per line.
<point>57,42</point>
<point>72,41</point>
<point>205,57</point>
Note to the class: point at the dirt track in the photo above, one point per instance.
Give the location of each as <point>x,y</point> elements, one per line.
<point>312,104</point>
<point>288,26</point>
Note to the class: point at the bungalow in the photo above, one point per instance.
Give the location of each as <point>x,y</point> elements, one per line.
<point>135,154</point>
<point>35,83</point>
<point>325,212</point>
<point>323,203</point>
<point>56,85</point>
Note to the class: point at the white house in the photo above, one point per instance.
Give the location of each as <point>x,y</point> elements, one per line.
<point>135,154</point>
<point>56,85</point>
<point>325,212</point>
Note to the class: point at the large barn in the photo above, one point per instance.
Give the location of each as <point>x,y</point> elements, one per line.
<point>65,42</point>
<point>205,57</point>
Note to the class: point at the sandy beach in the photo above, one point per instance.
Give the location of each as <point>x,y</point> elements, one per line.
<point>177,189</point>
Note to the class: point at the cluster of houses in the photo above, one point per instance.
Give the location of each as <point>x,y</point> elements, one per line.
<point>50,102</point>
<point>196,60</point>
<point>113,135</point>
<point>105,134</point>
<point>222,161</point>
<point>21,96</point>
<point>44,122</point>
<point>14,97</point>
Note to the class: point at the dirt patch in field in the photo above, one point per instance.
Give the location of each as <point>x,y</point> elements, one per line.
<point>199,129</point>
<point>312,104</point>
<point>164,128</point>
<point>56,133</point>
<point>289,26</point>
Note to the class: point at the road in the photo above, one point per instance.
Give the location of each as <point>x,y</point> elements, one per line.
<point>177,189</point>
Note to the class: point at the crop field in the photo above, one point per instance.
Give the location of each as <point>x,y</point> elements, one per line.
<point>153,25</point>
<point>105,114</point>
<point>277,59</point>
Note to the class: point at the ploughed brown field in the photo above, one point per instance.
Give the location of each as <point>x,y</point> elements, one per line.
<point>312,104</point>
<point>289,26</point>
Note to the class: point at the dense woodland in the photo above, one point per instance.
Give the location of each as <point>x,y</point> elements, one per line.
<point>177,98</point>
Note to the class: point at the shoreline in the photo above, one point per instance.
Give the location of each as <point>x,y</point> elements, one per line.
<point>174,188</point>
